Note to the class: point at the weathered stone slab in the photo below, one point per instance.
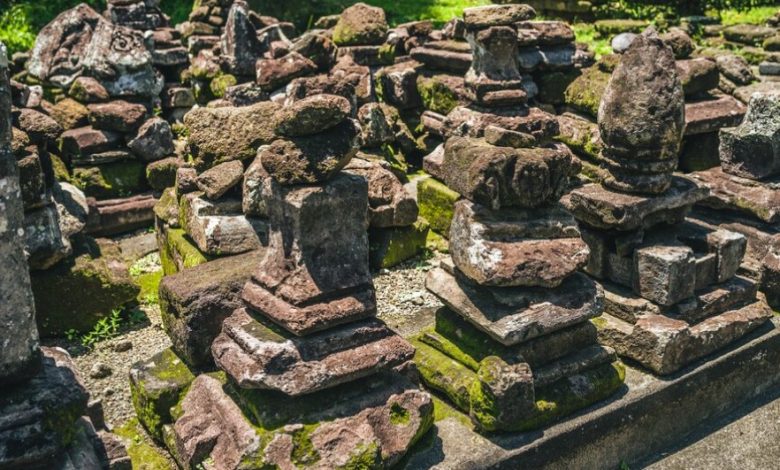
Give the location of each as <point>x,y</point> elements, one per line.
<point>472,121</point>
<point>758,199</point>
<point>710,115</point>
<point>389,203</point>
<point>698,75</point>
<point>604,208</point>
<point>222,234</point>
<point>256,355</point>
<point>195,301</point>
<point>216,181</point>
<point>515,247</point>
<point>514,315</point>
<point>113,216</point>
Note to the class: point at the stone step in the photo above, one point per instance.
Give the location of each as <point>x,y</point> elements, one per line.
<point>257,355</point>
<point>666,345</point>
<point>646,417</point>
<point>377,420</point>
<point>341,307</point>
<point>512,315</point>
<point>574,364</point>
<point>757,199</point>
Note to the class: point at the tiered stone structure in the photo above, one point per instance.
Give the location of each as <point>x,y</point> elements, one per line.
<point>515,331</point>
<point>672,293</point>
<point>306,362</point>
<point>43,406</point>
<point>743,190</point>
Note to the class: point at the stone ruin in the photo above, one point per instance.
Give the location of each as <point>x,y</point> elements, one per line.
<point>48,418</point>
<point>672,293</point>
<point>515,330</point>
<point>297,169</point>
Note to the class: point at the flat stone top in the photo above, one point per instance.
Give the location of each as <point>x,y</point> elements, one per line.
<point>710,115</point>
<point>604,208</point>
<point>758,199</point>
<point>497,15</point>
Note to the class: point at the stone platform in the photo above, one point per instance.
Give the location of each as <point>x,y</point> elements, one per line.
<point>649,415</point>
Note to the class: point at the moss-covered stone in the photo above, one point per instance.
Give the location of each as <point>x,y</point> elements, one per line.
<point>61,172</point>
<point>221,83</point>
<point>143,455</point>
<point>156,385</point>
<point>435,242</point>
<point>111,180</point>
<point>79,291</point>
<point>391,246</point>
<point>438,93</point>
<point>584,93</point>
<point>466,389</point>
<point>437,204</point>
<point>608,28</point>
<point>149,283</point>
<point>553,85</point>
<point>177,252</point>
<point>162,173</point>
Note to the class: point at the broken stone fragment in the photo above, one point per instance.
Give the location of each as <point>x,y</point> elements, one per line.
<point>681,43</point>
<point>312,115</point>
<point>759,200</point>
<point>664,273</point>
<point>472,122</point>
<point>219,228</point>
<point>735,68</point>
<point>119,116</point>
<point>311,158</point>
<point>390,204</point>
<point>494,78</point>
<point>272,74</point>
<point>698,75</point>
<point>153,141</point>
<point>500,137</point>
<point>516,247</point>
<point>38,126</point>
<point>217,135</point>
<point>216,181</point>
<point>88,90</point>
<point>752,150</point>
<point>257,356</point>
<point>69,113</point>
<point>504,177</point>
<point>85,141</point>
<point>239,42</point>
<point>45,245</point>
<point>360,24</point>
<point>642,116</point>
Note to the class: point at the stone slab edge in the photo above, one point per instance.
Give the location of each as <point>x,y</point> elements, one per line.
<point>647,416</point>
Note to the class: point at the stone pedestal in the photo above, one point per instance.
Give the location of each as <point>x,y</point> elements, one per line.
<point>672,294</point>
<point>515,331</point>
<point>308,378</point>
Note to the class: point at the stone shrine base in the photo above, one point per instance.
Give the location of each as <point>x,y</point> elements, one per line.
<point>649,415</point>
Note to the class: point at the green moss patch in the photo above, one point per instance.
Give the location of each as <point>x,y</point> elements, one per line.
<point>143,455</point>
<point>391,246</point>
<point>156,386</point>
<point>437,93</point>
<point>179,252</point>
<point>221,83</point>
<point>111,180</point>
<point>585,92</point>
<point>437,204</point>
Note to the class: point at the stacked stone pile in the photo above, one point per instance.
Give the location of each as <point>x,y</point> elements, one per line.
<point>57,218</point>
<point>744,192</point>
<point>515,332</point>
<point>169,56</point>
<point>48,420</point>
<point>760,43</point>
<point>672,290</point>
<point>309,377</point>
<point>105,104</point>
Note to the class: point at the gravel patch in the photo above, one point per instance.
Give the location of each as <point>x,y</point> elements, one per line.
<point>400,291</point>
<point>104,369</point>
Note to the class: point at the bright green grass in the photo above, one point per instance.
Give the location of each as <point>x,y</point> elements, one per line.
<point>756,15</point>
<point>438,11</point>
<point>586,32</point>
